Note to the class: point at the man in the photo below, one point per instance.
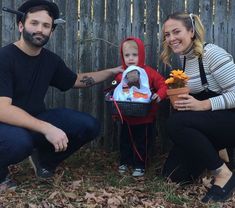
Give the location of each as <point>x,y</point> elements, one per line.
<point>26,71</point>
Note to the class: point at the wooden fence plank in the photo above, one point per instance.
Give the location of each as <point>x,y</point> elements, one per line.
<point>85,54</point>
<point>231,28</point>
<point>17,4</point>
<point>138,19</point>
<point>98,60</point>
<point>220,23</point>
<point>152,31</point>
<point>206,15</point>
<point>56,98</point>
<point>124,19</point>
<point>178,6</point>
<point>165,10</point>
<point>8,23</point>
<point>111,131</point>
<point>71,48</point>
<point>193,6</point>
<point>58,47</point>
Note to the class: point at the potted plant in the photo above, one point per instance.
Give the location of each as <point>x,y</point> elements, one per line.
<point>177,84</point>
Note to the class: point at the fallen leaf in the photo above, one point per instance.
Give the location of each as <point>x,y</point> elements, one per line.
<point>70,195</point>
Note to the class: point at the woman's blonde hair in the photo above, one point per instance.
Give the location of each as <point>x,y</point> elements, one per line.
<point>191,22</point>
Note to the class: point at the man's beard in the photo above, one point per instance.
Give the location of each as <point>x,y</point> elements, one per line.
<point>31,38</point>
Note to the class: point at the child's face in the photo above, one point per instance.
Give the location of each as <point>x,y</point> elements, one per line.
<point>130,55</point>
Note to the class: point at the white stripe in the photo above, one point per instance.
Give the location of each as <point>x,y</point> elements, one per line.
<point>220,73</point>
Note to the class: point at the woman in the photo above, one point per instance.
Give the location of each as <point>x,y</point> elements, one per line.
<point>204,121</point>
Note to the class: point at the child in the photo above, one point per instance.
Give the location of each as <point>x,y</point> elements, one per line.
<point>136,131</point>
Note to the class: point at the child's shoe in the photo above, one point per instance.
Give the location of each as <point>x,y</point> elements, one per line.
<point>138,172</point>
<point>122,169</point>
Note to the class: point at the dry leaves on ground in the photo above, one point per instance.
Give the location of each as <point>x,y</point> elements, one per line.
<point>89,180</point>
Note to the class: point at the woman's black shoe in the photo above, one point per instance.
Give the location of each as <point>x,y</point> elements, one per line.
<point>218,194</point>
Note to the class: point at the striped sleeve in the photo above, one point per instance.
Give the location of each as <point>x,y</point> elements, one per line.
<point>222,69</point>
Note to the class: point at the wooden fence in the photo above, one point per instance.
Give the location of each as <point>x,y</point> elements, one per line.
<point>89,41</point>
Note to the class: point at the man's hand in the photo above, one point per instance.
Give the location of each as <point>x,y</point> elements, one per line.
<point>116,70</point>
<point>57,138</point>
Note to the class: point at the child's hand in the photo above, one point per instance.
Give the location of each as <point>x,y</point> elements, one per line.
<point>155,97</point>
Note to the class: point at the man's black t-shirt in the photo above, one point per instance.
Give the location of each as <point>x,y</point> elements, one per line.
<point>26,78</point>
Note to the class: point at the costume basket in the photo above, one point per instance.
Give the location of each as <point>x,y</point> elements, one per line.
<point>135,109</point>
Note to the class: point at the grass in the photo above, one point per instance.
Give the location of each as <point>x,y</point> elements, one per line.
<point>90,179</point>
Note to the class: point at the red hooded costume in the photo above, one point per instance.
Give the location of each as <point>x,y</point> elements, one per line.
<point>156,83</point>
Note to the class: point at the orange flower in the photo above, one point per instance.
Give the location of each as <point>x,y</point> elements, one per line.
<point>177,79</point>
<point>170,80</point>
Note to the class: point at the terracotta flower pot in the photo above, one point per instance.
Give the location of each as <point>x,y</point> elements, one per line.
<point>173,94</point>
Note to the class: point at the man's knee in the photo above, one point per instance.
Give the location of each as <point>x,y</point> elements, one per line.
<point>16,148</point>
<point>22,147</point>
<point>25,146</point>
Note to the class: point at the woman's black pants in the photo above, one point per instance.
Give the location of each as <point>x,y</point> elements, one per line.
<point>197,138</point>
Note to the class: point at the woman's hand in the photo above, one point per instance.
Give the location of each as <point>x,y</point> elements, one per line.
<point>188,102</point>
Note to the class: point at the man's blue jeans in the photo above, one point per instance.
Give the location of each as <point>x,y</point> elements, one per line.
<point>17,143</point>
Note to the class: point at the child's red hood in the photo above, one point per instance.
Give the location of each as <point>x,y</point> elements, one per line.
<point>141,52</point>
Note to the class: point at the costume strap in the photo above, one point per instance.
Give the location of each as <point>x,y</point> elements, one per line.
<point>201,69</point>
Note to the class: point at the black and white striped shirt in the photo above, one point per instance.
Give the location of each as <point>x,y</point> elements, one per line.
<point>220,73</point>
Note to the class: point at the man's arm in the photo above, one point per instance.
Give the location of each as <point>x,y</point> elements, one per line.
<point>14,115</point>
<point>91,78</point>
